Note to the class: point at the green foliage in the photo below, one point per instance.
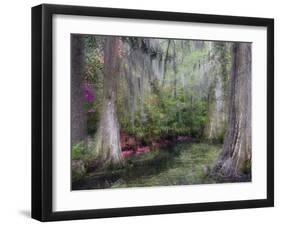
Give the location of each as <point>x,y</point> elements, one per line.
<point>167,116</point>
<point>173,109</point>
<point>78,151</point>
<point>81,151</point>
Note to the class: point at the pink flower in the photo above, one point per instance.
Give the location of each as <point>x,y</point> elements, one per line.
<point>143,150</point>
<point>89,93</point>
<point>127,153</point>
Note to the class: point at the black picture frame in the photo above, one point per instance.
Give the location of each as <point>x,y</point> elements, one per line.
<point>42,107</point>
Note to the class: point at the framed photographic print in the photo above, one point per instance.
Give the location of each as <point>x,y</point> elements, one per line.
<point>146,112</point>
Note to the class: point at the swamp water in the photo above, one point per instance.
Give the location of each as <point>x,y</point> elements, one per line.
<point>181,164</point>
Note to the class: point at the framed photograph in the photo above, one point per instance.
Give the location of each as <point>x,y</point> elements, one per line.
<point>146,112</point>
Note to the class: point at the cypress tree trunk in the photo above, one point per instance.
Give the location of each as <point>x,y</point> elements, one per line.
<point>217,93</point>
<point>108,137</point>
<point>78,115</point>
<point>235,158</point>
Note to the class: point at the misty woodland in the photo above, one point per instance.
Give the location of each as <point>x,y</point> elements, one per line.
<point>157,112</point>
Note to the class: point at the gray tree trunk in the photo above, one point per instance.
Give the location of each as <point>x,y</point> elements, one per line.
<point>108,138</point>
<point>217,101</point>
<point>235,158</point>
<point>78,115</point>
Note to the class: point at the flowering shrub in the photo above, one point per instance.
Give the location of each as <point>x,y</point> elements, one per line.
<point>89,94</point>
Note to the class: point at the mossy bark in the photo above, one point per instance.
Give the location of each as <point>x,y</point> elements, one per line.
<point>235,158</point>
<point>108,138</point>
